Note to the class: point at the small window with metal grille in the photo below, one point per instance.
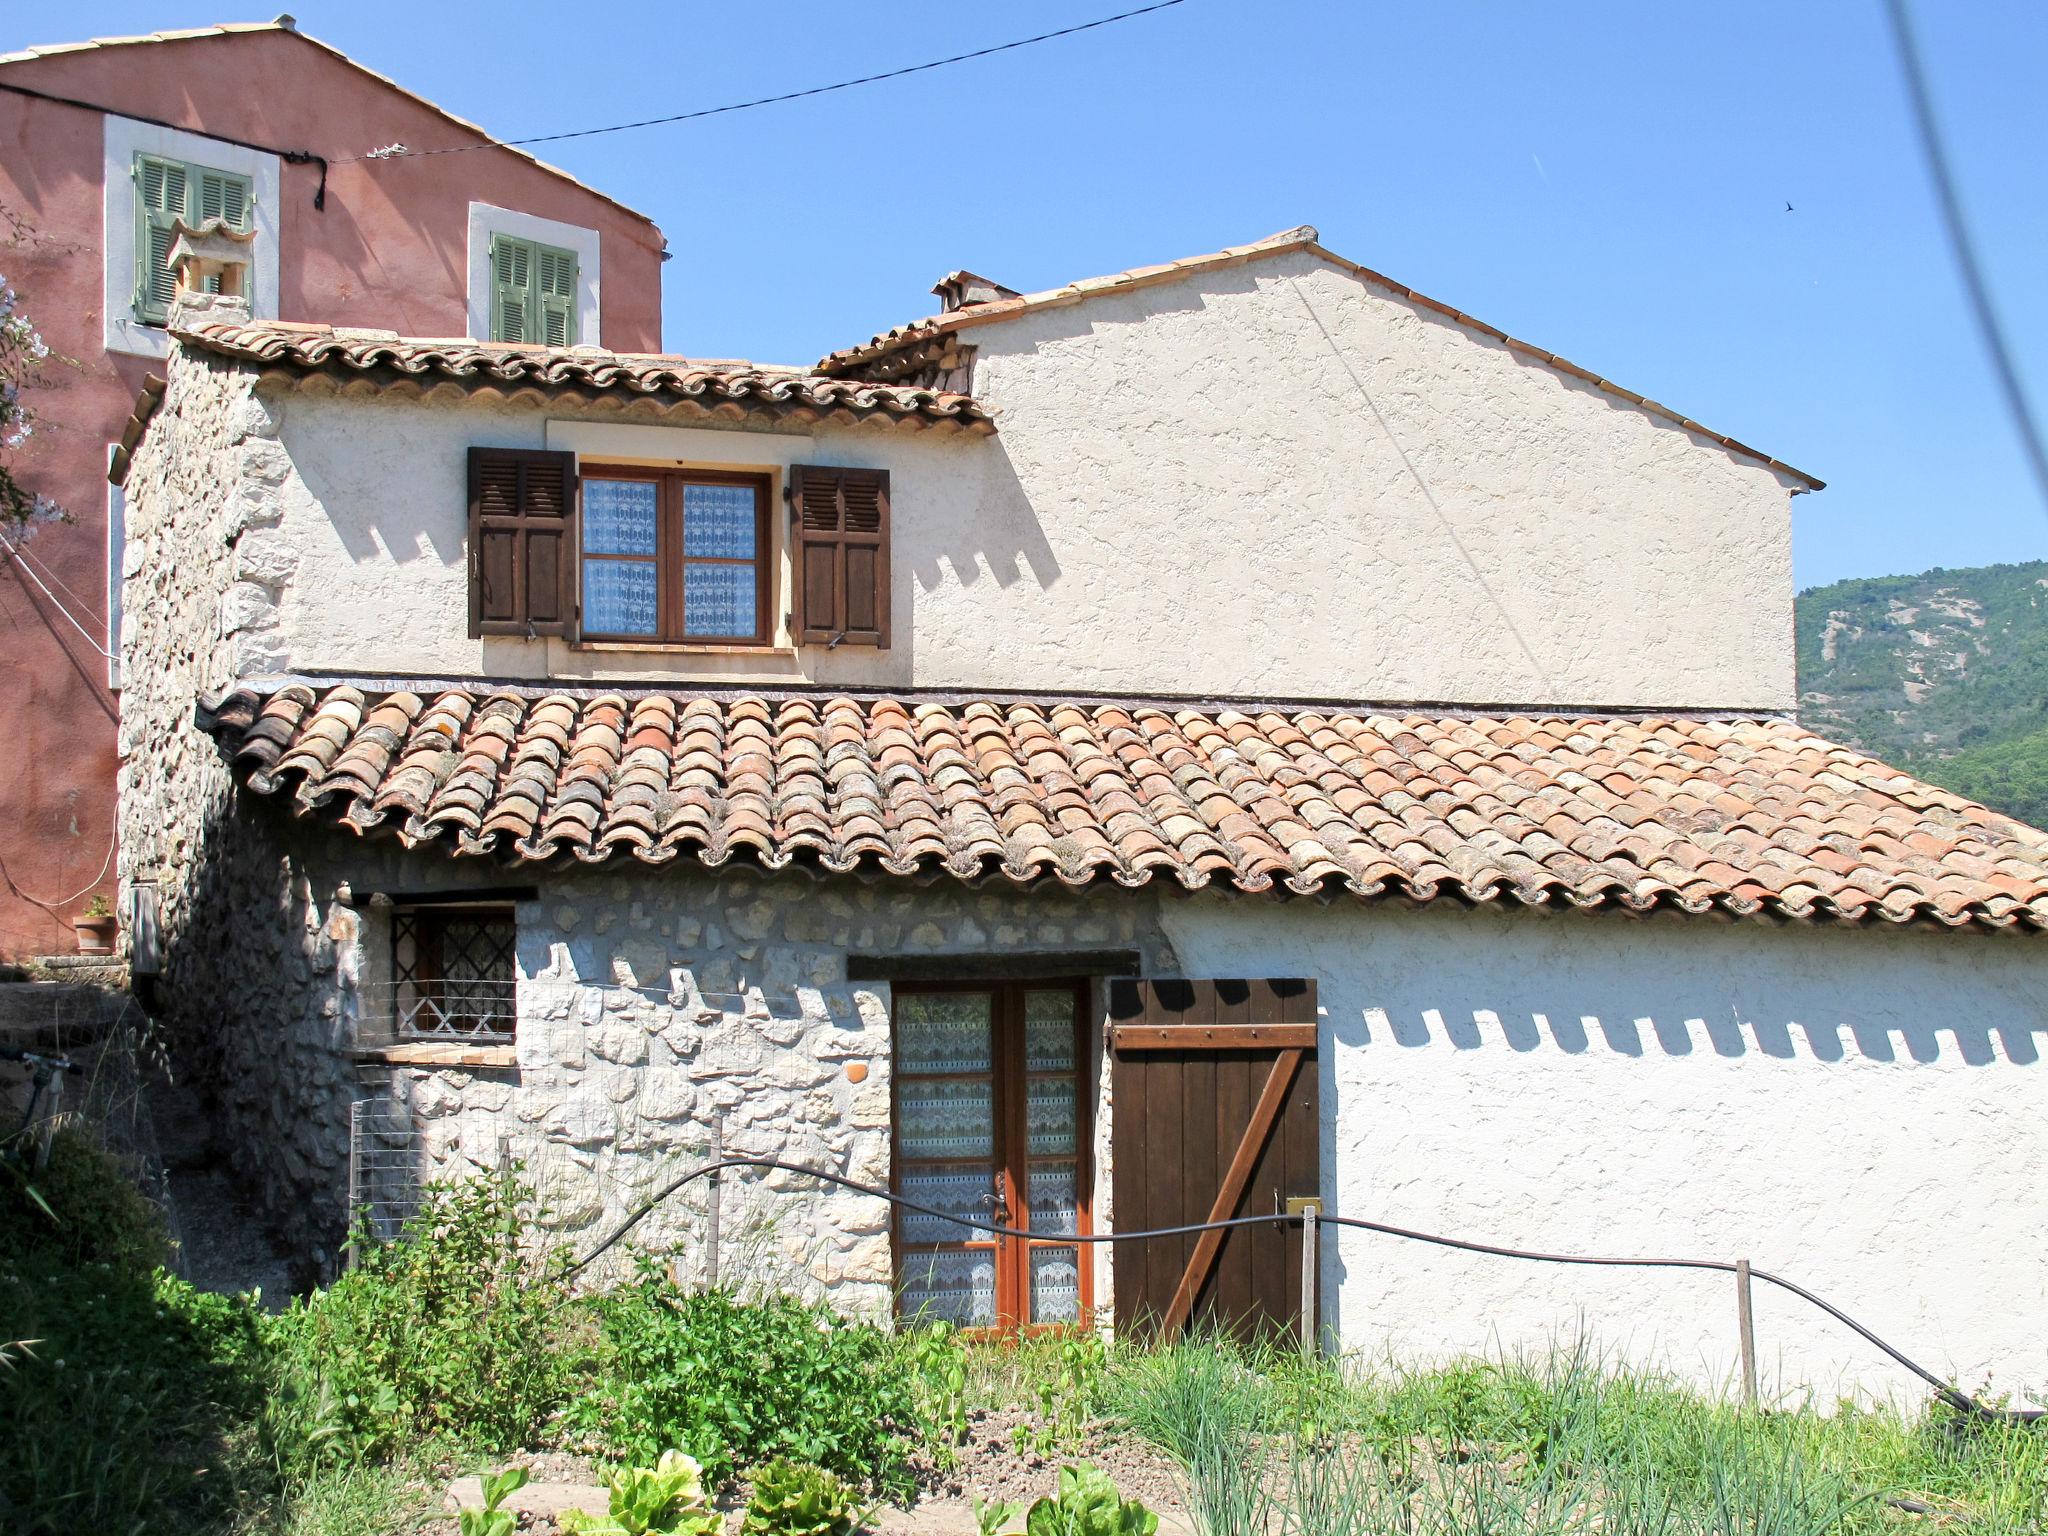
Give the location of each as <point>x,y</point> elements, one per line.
<point>454,973</point>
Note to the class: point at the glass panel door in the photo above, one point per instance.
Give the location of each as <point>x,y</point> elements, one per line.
<point>1052,1153</point>
<point>990,1125</point>
<point>946,1156</point>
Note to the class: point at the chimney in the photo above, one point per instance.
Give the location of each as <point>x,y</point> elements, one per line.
<point>959,290</point>
<point>212,258</point>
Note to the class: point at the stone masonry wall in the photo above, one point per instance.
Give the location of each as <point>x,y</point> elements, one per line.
<point>652,1002</point>
<point>251,985</point>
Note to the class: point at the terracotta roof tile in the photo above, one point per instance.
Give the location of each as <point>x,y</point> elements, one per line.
<point>1746,817</point>
<point>721,387</point>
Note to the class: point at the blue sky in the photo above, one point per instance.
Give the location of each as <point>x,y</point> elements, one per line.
<point>1608,181</point>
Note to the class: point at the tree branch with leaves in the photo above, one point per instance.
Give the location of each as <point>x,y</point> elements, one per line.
<point>23,352</point>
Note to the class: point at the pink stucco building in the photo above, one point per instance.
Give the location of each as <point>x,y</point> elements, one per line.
<point>104,146</point>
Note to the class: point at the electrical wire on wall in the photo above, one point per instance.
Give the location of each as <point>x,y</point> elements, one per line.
<point>27,565</point>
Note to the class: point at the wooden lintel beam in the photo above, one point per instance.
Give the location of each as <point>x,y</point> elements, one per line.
<point>1221,1037</point>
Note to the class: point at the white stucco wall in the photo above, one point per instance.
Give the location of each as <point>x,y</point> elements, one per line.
<point>1272,481</point>
<point>1861,1112</point>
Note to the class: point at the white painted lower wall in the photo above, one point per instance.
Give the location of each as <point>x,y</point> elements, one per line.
<point>1862,1112</point>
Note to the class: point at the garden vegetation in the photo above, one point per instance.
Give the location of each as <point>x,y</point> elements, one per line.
<point>130,1402</point>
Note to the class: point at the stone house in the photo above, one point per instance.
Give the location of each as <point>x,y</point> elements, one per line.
<point>1224,735</point>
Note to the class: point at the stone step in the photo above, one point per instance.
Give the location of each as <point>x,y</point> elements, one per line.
<point>545,1499</point>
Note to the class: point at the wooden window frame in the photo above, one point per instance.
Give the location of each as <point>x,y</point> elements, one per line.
<point>671,564</point>
<point>1012,1157</point>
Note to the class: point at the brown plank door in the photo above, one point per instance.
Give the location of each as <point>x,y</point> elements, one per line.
<point>1213,1114</point>
<point>991,1094</point>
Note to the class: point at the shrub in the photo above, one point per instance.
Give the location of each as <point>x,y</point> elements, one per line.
<point>791,1499</point>
<point>739,1383</point>
<point>79,1208</point>
<point>453,1331</point>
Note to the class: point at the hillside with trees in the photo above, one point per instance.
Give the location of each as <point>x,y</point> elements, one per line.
<point>1944,673</point>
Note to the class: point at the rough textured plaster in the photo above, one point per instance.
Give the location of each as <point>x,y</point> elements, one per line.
<point>1860,1112</point>
<point>1272,481</point>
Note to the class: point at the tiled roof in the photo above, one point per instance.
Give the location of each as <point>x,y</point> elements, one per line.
<point>1740,816</point>
<point>286,24</point>
<point>882,356</point>
<point>736,386</point>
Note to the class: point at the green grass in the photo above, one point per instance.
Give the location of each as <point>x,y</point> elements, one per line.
<point>1558,1444</point>
<point>363,1500</point>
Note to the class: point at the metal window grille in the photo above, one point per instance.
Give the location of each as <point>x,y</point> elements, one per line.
<point>454,973</point>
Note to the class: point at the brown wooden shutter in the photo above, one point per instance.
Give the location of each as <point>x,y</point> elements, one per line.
<point>522,568</point>
<point>840,556</point>
<point>1214,1114</point>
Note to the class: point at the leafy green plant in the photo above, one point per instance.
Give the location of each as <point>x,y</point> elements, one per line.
<point>938,1363</point>
<point>792,1499</point>
<point>1085,1502</point>
<point>666,1499</point>
<point>1066,1388</point>
<point>742,1383</point>
<point>453,1331</point>
<point>491,1520</point>
<point>990,1518</point>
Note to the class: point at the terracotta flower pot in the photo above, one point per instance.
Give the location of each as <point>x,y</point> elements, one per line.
<point>95,935</point>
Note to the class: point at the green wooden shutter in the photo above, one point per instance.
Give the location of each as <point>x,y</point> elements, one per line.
<point>160,189</point>
<point>219,195</point>
<point>511,288</point>
<point>165,192</point>
<point>555,295</point>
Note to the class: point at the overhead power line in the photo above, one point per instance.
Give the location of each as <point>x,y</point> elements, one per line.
<point>395,153</point>
<point>1975,287</point>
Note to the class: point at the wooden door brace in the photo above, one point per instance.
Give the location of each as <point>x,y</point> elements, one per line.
<point>1265,1114</point>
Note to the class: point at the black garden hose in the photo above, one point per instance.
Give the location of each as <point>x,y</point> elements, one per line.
<point>1953,1396</point>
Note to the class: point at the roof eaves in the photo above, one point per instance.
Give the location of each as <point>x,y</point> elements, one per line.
<point>1304,238</point>
<point>308,351</point>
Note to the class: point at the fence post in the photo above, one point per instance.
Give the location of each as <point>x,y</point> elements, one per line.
<point>1311,1323</point>
<point>355,1183</point>
<point>717,1156</point>
<point>1746,1323</point>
